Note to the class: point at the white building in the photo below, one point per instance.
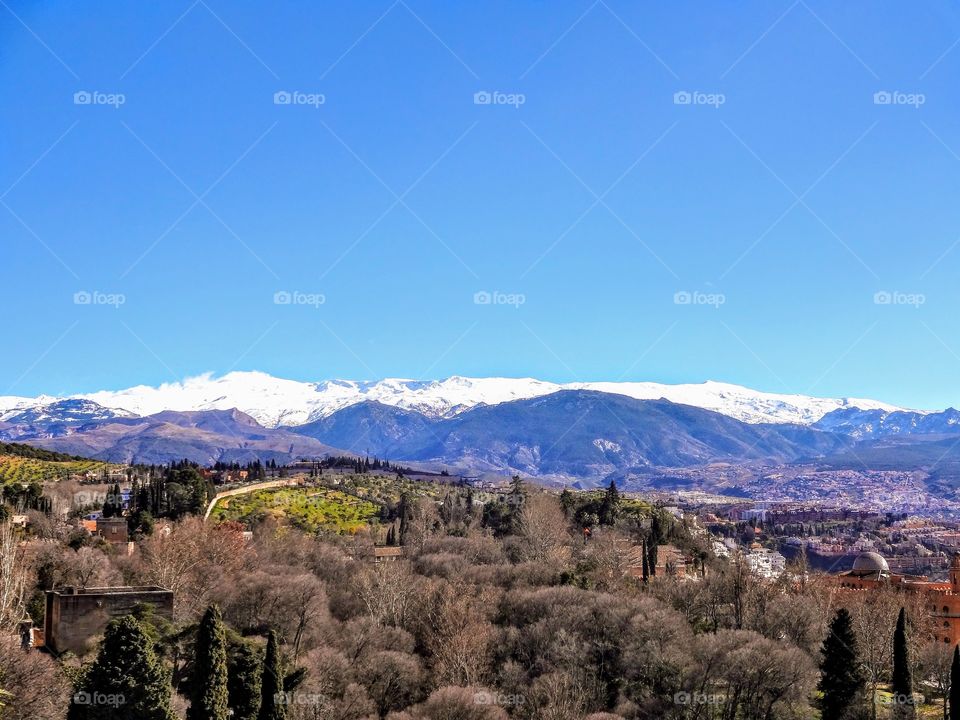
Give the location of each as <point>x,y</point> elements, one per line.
<point>765,563</point>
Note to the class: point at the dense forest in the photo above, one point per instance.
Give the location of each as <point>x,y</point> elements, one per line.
<point>522,605</point>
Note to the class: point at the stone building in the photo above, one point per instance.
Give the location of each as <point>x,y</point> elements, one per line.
<point>113,530</point>
<point>870,571</point>
<point>74,617</point>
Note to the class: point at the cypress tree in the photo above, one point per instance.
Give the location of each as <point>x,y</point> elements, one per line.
<point>610,507</point>
<point>244,680</point>
<point>902,682</point>
<point>955,685</point>
<point>645,570</point>
<point>126,681</point>
<point>208,696</point>
<point>272,705</point>
<point>841,681</point>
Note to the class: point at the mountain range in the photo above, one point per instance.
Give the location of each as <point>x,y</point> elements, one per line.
<point>275,401</point>
<point>476,425</point>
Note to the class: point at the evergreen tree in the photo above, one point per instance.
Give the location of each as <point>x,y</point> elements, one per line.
<point>404,512</point>
<point>955,685</point>
<point>272,705</point>
<point>243,681</point>
<point>208,696</point>
<point>652,558</point>
<point>112,502</point>
<point>610,507</point>
<point>902,682</point>
<point>646,564</point>
<point>841,681</point>
<point>126,681</point>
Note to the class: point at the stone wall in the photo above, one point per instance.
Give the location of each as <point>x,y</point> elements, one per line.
<point>75,618</point>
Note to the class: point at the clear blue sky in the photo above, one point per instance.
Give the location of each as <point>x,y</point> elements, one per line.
<point>597,199</point>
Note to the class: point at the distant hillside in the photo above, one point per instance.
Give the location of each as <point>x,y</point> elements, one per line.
<point>25,464</point>
<point>36,453</point>
<point>572,433</point>
<point>204,437</point>
<point>876,424</point>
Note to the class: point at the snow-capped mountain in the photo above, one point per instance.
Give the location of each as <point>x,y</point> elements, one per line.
<point>275,401</point>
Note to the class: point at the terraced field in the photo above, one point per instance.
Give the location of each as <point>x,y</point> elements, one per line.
<point>16,469</point>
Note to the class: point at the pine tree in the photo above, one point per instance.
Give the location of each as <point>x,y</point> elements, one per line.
<point>902,682</point>
<point>841,681</point>
<point>127,671</point>
<point>955,685</point>
<point>208,696</point>
<point>246,664</point>
<point>272,705</point>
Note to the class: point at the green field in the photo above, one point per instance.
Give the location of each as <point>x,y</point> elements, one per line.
<point>353,502</point>
<point>311,509</point>
<point>17,469</point>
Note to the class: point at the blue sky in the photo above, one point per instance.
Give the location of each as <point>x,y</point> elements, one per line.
<point>786,229</point>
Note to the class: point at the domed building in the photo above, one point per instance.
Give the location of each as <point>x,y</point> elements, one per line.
<point>870,565</point>
<point>871,571</point>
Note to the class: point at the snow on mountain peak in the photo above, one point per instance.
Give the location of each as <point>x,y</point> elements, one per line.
<point>276,401</point>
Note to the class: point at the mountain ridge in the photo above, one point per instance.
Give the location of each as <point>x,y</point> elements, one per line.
<point>276,402</point>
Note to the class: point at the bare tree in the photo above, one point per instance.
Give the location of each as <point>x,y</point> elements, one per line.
<point>13,579</point>
<point>874,617</point>
<point>191,559</point>
<point>387,591</point>
<point>542,527</point>
<point>36,686</point>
